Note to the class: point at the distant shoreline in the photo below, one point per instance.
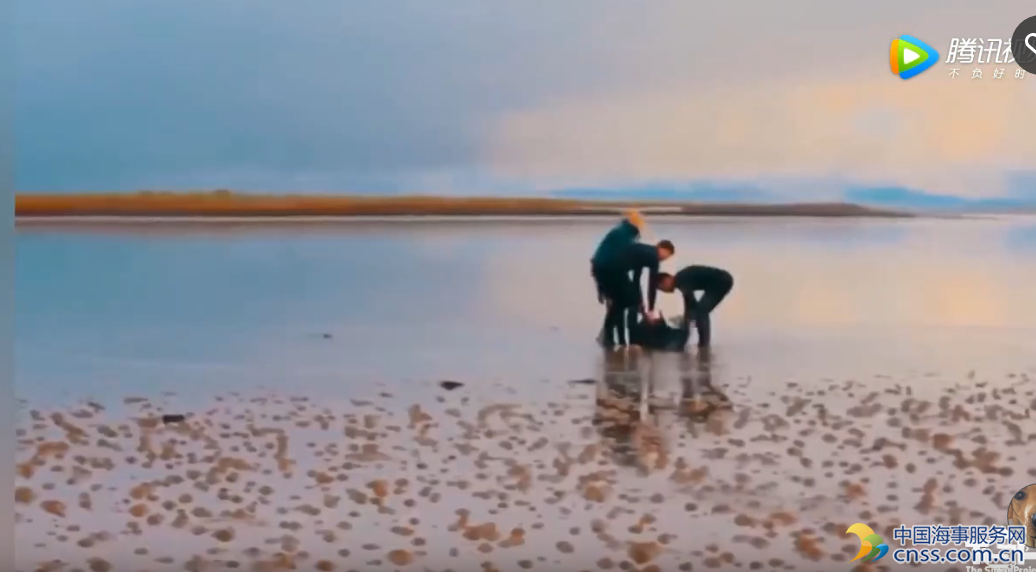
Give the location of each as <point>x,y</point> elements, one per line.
<point>222,205</point>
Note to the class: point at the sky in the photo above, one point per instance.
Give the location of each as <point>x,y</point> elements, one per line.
<point>474,97</point>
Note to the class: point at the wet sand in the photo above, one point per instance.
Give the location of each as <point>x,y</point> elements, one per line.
<point>607,473</point>
<point>876,372</point>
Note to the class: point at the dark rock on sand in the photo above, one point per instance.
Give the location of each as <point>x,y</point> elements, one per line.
<point>450,385</point>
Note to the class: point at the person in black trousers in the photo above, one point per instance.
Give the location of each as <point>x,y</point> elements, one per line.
<point>714,283</point>
<point>623,294</point>
<point>619,237</point>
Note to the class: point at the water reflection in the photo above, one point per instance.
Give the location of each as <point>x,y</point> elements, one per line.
<point>800,276</point>
<point>841,379</point>
<point>632,411</point>
<point>1022,238</point>
<point>618,408</point>
<point>700,400</point>
<point>504,301</point>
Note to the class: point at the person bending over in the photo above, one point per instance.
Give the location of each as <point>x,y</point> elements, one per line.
<point>621,235</point>
<point>608,250</point>
<point>623,293</point>
<point>714,283</point>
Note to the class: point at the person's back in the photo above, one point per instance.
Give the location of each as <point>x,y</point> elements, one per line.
<point>637,257</point>
<point>612,245</point>
<point>619,254</point>
<point>714,283</point>
<point>605,267</point>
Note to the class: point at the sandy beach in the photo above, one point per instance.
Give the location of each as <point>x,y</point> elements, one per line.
<point>598,478</point>
<point>241,205</point>
<point>320,286</point>
<point>318,421</point>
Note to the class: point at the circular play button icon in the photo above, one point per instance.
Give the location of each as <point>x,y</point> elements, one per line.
<point>1023,45</point>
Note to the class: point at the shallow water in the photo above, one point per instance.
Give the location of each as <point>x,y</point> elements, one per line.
<point>106,310</point>
<point>843,344</point>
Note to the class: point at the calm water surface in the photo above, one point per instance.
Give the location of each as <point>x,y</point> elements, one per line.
<point>363,319</point>
<point>111,310</point>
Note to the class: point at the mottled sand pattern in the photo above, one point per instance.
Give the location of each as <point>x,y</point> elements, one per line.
<point>609,477</point>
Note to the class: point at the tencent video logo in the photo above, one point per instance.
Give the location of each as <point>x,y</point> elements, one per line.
<point>910,56</point>
<point>872,547</point>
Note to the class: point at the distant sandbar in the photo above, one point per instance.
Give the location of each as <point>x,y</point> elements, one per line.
<point>224,204</point>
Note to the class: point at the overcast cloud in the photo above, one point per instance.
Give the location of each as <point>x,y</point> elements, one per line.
<point>474,96</point>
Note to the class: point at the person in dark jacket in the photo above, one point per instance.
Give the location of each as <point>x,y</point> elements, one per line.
<point>612,271</point>
<point>621,235</point>
<point>714,283</point>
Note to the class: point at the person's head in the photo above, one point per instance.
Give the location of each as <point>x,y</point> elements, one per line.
<point>665,249</point>
<point>666,282</point>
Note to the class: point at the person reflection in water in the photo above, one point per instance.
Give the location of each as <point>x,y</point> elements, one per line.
<point>700,400</point>
<point>632,437</point>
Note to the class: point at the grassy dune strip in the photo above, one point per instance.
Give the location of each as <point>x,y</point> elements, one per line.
<point>226,204</point>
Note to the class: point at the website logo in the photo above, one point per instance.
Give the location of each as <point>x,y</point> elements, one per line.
<point>1023,45</point>
<point>1021,512</point>
<point>872,547</point>
<point>909,56</point>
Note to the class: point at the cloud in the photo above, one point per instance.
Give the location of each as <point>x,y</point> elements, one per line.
<point>386,97</point>
<point>962,137</point>
<point>139,93</point>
